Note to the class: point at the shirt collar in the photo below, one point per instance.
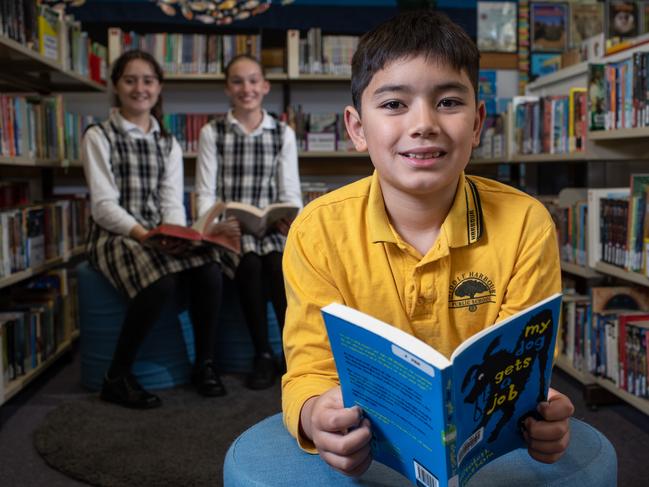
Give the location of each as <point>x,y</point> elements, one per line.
<point>463,225</point>
<point>267,122</point>
<point>128,127</point>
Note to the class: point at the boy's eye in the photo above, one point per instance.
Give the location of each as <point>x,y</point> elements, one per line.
<point>392,105</point>
<point>450,103</point>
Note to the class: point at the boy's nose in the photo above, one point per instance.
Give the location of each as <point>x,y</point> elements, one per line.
<point>424,122</point>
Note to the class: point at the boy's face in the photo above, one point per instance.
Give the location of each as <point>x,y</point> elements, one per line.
<point>419,122</point>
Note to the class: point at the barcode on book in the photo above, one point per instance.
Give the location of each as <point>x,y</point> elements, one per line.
<point>468,445</point>
<point>424,477</point>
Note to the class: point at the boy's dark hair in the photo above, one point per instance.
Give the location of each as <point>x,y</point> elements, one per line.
<point>119,66</point>
<point>239,57</point>
<point>415,33</point>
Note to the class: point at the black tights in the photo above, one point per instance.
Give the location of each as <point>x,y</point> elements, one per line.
<point>144,310</point>
<point>258,276</point>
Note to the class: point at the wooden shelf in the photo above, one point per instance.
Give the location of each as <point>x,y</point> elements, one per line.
<point>579,270</point>
<point>620,273</point>
<point>333,155</point>
<point>489,160</point>
<point>324,78</point>
<point>587,378</point>
<point>212,77</point>
<point>583,377</point>
<point>16,385</point>
<point>619,134</point>
<point>24,69</point>
<point>17,277</point>
<point>311,155</point>
<point>28,161</point>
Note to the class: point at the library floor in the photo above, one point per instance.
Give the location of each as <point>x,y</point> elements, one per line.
<point>626,428</point>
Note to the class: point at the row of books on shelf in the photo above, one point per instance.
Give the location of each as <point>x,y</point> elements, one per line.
<point>608,225</point>
<point>318,131</point>
<point>40,127</point>
<point>618,93</point>
<point>182,53</point>
<point>54,35</point>
<point>35,320</point>
<point>605,334</point>
<point>35,234</point>
<point>492,138</point>
<point>320,54</point>
<point>185,53</point>
<point>555,124</point>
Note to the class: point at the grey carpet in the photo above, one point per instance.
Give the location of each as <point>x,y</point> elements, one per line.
<point>181,443</point>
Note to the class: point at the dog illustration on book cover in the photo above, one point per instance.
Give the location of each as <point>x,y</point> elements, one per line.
<point>499,379</point>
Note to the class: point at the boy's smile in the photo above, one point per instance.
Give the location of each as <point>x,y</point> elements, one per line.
<point>419,122</point>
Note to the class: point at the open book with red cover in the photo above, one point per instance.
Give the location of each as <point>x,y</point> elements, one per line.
<point>200,233</point>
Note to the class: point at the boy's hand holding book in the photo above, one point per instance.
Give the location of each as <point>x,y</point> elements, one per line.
<point>548,439</point>
<point>341,435</point>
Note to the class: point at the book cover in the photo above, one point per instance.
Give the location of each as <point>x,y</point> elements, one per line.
<point>434,420</point>
<point>596,97</point>
<point>166,230</point>
<point>549,23</point>
<point>497,26</point>
<point>586,20</point>
<point>621,19</point>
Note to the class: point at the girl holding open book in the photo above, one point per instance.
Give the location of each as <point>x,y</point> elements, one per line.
<point>250,157</point>
<point>134,171</point>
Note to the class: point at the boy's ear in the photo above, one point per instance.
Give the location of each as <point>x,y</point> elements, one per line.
<point>355,128</point>
<point>480,115</point>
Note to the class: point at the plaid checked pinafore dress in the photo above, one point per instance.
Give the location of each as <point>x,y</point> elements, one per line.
<point>248,172</point>
<point>138,165</point>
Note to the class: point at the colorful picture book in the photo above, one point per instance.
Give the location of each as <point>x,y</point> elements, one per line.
<point>621,19</point>
<point>497,26</point>
<point>438,421</point>
<point>586,20</point>
<point>549,26</point>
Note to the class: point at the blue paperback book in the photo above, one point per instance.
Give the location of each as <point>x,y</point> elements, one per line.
<point>438,421</point>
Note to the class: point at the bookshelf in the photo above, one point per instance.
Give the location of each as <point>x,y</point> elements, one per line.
<point>24,69</point>
<point>38,240</point>
<point>608,159</point>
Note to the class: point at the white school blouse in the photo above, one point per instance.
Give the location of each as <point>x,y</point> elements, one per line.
<point>207,164</point>
<point>104,194</point>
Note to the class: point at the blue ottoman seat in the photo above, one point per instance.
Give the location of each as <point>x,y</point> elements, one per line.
<point>266,455</point>
<point>167,355</point>
<point>164,359</point>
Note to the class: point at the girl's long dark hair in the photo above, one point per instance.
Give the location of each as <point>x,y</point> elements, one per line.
<point>118,70</point>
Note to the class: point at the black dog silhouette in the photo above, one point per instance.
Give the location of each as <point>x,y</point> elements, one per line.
<point>483,375</point>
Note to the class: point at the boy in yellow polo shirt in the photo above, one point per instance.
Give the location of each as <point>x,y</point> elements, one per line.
<point>399,244</point>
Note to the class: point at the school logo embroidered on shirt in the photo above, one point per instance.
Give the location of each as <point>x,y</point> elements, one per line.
<point>470,290</point>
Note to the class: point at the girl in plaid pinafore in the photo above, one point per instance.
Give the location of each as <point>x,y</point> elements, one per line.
<point>134,172</point>
<point>250,157</point>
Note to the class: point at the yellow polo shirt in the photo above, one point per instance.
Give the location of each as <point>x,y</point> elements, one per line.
<point>496,254</point>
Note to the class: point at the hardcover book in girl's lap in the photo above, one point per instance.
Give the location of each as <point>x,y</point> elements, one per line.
<point>438,421</point>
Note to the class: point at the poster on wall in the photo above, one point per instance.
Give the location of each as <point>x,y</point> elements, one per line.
<point>621,19</point>
<point>496,30</point>
<point>549,26</point>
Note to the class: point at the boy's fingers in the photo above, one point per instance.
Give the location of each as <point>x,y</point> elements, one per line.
<point>547,430</point>
<point>557,408</point>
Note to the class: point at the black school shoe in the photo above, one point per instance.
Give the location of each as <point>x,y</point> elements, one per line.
<point>207,381</point>
<point>127,392</point>
<point>263,373</point>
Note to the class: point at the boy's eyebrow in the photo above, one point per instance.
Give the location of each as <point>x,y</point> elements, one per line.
<point>450,86</point>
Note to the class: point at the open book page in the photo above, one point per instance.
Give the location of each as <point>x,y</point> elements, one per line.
<point>205,224</point>
<point>258,221</point>
<point>499,376</point>
<point>156,237</point>
<point>400,384</point>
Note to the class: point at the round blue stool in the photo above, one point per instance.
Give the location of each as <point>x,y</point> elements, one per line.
<point>163,361</point>
<point>266,455</point>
